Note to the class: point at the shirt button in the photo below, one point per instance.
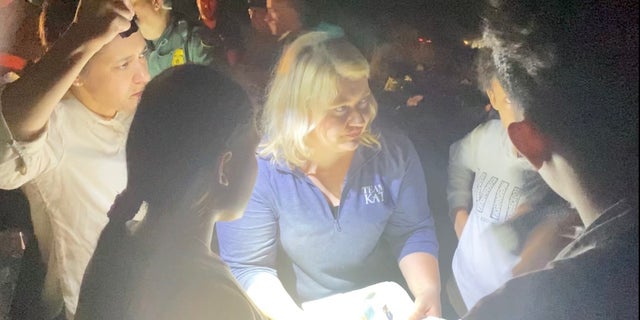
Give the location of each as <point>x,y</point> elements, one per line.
<point>22,167</point>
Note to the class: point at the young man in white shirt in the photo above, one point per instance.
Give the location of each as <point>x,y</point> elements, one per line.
<point>63,132</point>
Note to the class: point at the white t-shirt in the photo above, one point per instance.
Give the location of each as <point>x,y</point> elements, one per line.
<point>486,176</point>
<point>71,175</point>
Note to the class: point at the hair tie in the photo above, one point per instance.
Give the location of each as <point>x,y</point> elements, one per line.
<point>124,207</point>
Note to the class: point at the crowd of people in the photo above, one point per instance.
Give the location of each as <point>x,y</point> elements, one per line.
<point>179,164</point>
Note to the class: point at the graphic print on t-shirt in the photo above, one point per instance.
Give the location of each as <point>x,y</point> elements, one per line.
<point>503,204</point>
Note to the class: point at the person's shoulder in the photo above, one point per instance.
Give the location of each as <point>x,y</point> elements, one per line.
<point>67,109</point>
<point>214,292</point>
<point>490,131</point>
<point>182,26</point>
<point>395,152</point>
<point>392,139</point>
<point>180,30</point>
<point>614,226</point>
<point>211,300</point>
<point>200,34</point>
<point>491,126</point>
<point>267,163</point>
<point>270,171</point>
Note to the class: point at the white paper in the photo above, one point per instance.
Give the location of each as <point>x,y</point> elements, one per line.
<point>381,301</point>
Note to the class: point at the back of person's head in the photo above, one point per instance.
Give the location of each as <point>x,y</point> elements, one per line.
<point>485,69</point>
<point>184,122</point>
<point>188,118</point>
<point>573,67</point>
<point>489,83</point>
<point>395,56</point>
<point>55,18</point>
<point>304,84</point>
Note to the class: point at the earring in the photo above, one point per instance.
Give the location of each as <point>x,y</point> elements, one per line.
<point>223,180</point>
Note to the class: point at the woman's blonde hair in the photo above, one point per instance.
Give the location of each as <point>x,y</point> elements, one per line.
<point>304,85</point>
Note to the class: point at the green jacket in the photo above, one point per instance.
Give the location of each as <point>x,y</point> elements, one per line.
<point>183,43</point>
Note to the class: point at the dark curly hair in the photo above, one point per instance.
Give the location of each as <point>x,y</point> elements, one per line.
<point>573,66</point>
<point>485,69</point>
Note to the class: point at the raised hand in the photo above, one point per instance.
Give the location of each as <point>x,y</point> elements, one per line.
<point>102,20</point>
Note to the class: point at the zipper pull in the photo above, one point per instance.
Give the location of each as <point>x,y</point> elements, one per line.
<point>336,222</point>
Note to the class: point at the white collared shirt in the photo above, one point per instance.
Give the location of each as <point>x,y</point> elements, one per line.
<point>71,175</point>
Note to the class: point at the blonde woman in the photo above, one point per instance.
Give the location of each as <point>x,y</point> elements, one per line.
<point>337,203</point>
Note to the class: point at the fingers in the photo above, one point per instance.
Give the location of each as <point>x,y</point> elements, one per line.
<point>101,21</point>
<point>420,311</point>
<point>426,305</point>
<point>123,17</point>
<point>123,9</point>
<point>92,9</point>
<point>129,6</point>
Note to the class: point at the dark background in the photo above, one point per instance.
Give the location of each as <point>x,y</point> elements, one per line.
<point>446,22</point>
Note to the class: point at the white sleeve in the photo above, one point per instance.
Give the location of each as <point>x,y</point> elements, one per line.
<point>22,161</point>
<point>461,170</point>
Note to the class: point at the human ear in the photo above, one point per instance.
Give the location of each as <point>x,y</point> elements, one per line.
<point>492,98</point>
<point>222,165</point>
<point>530,142</point>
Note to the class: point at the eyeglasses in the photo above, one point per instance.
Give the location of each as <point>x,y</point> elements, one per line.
<point>133,29</point>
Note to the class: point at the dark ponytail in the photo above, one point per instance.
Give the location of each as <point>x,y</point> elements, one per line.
<point>103,279</point>
<point>124,207</point>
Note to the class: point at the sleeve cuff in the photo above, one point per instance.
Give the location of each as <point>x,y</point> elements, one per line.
<point>12,149</point>
<point>460,200</point>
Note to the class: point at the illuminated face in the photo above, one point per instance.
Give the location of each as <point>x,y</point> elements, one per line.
<point>347,117</point>
<point>501,103</point>
<point>242,170</point>
<point>282,17</point>
<point>208,12</point>
<point>151,18</point>
<point>114,78</point>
